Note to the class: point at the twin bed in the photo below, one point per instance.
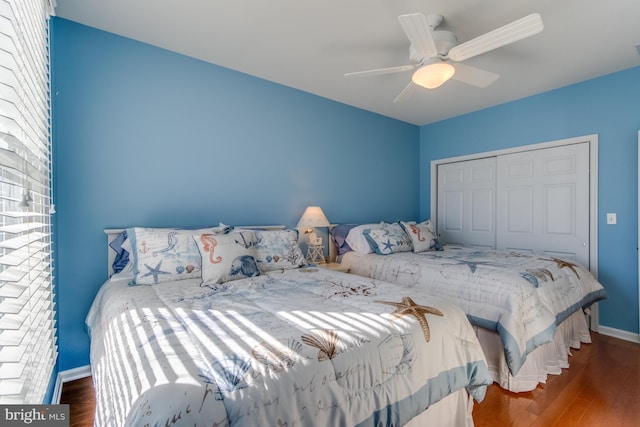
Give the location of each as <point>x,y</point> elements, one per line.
<point>194,332</point>
<point>526,308</point>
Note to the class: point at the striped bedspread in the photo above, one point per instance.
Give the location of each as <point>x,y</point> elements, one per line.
<point>299,347</point>
<point>523,297</point>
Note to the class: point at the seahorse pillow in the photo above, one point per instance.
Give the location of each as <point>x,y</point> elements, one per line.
<point>423,237</point>
<point>278,250</point>
<point>227,257</point>
<point>388,239</point>
<point>165,254</point>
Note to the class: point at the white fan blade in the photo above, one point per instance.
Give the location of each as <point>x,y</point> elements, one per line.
<point>473,76</point>
<point>406,92</point>
<point>380,71</point>
<point>418,31</point>
<point>517,30</point>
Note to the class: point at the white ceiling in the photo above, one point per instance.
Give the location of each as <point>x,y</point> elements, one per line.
<point>310,45</point>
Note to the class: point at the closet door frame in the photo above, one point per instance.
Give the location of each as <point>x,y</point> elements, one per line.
<point>592,140</point>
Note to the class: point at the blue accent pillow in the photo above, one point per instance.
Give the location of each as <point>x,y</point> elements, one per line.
<point>122,255</point>
<point>339,237</point>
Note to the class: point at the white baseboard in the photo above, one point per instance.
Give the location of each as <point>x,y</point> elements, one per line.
<point>619,333</point>
<point>65,377</point>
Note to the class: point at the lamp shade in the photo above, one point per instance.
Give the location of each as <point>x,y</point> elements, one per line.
<point>433,75</point>
<point>313,217</point>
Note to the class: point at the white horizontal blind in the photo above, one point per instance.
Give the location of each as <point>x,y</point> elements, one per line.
<point>28,348</point>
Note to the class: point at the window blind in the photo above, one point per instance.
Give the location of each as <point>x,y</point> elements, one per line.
<point>28,348</point>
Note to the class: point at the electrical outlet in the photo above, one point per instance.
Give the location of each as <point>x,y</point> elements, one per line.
<point>611,218</point>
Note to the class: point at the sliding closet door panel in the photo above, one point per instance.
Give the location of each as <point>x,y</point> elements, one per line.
<point>543,201</point>
<point>466,202</point>
<point>520,199</point>
<point>482,211</point>
<point>453,204</point>
<point>560,221</point>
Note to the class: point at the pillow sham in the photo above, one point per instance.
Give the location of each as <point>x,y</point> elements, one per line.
<point>356,239</point>
<point>339,235</point>
<point>164,254</point>
<point>122,255</point>
<point>226,257</point>
<point>278,250</point>
<point>423,237</point>
<point>388,239</point>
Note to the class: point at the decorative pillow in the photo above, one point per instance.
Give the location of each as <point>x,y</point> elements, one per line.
<point>388,239</point>
<point>122,255</point>
<point>164,254</point>
<point>422,235</point>
<point>278,250</point>
<point>227,257</point>
<point>356,239</point>
<point>339,235</point>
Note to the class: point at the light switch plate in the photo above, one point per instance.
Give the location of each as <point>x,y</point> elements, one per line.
<point>611,218</point>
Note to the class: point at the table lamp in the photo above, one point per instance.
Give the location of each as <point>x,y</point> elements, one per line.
<point>311,218</point>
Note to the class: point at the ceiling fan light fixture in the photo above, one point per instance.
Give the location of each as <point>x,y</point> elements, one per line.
<point>433,75</point>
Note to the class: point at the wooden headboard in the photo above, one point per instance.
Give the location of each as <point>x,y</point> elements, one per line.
<point>112,233</point>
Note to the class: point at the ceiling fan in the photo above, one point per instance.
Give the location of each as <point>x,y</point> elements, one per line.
<point>435,55</point>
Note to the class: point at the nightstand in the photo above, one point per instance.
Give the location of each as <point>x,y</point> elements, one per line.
<point>336,266</point>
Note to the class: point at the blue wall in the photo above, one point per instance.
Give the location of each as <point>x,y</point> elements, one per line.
<point>608,106</point>
<point>144,136</point>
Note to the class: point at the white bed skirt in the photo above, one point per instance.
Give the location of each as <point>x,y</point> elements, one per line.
<point>455,410</point>
<point>544,360</point>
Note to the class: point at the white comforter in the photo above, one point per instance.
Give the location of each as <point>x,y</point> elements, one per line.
<point>301,347</point>
<point>523,297</point>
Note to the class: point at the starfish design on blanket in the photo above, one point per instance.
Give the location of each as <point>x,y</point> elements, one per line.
<point>155,272</point>
<point>560,263</point>
<point>473,265</point>
<point>409,307</point>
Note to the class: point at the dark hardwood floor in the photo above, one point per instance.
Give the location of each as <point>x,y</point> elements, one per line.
<point>601,388</point>
<point>82,402</point>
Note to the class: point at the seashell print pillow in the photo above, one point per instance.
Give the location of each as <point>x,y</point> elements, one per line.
<point>390,238</point>
<point>278,250</point>
<point>423,237</point>
<point>165,254</point>
<point>226,257</point>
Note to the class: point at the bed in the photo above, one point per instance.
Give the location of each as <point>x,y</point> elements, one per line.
<point>281,344</point>
<point>527,308</point>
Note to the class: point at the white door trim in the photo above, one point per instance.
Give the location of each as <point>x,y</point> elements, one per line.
<point>593,192</point>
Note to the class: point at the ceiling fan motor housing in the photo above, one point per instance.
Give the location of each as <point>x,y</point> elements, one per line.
<point>445,40</point>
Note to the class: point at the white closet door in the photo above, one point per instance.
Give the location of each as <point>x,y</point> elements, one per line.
<point>543,201</point>
<point>466,203</point>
